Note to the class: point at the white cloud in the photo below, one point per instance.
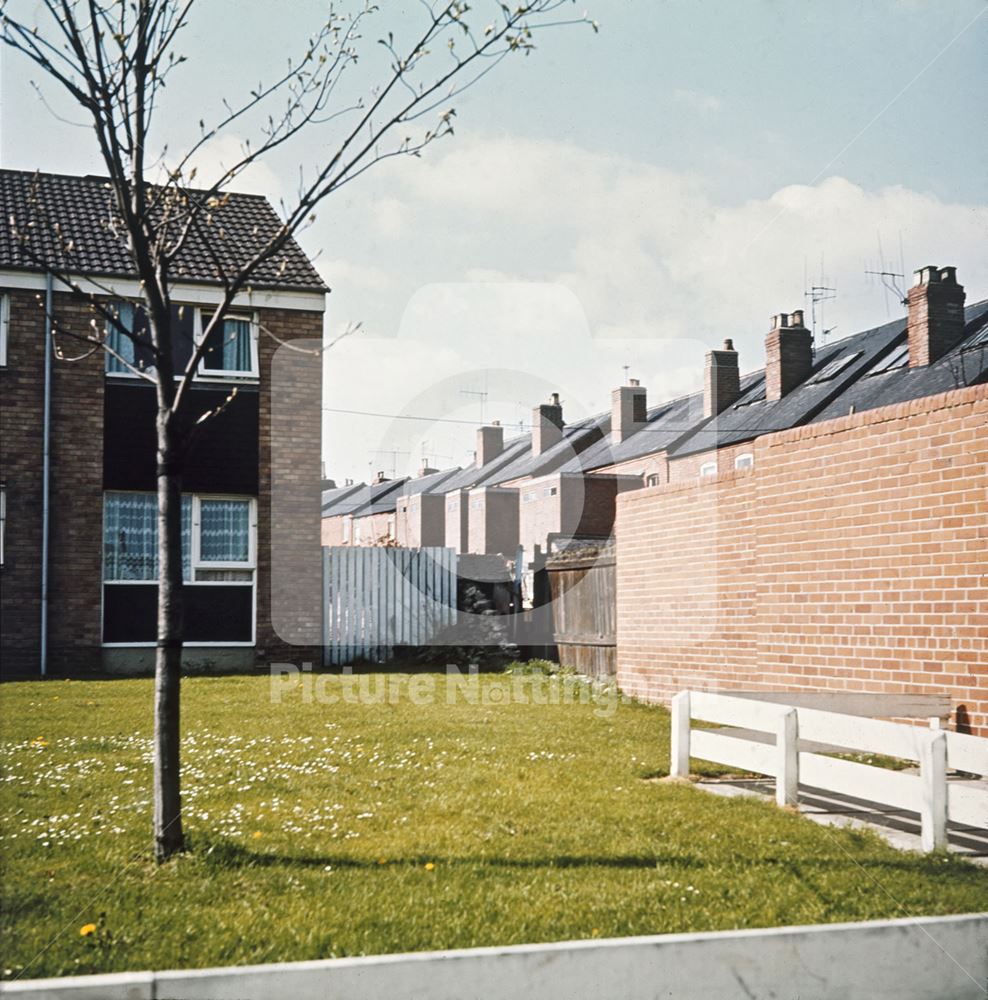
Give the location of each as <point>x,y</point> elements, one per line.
<point>660,270</point>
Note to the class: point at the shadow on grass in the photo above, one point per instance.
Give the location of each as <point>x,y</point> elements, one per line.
<point>229,854</point>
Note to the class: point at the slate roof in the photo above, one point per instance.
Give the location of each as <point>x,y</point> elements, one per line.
<point>966,364</point>
<point>342,499</point>
<point>435,482</point>
<point>68,222</point>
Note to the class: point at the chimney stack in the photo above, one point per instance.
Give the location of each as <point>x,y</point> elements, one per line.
<point>721,380</point>
<point>380,478</point>
<point>490,443</point>
<point>547,425</point>
<point>788,354</point>
<point>628,410</point>
<point>426,470</point>
<point>936,314</point>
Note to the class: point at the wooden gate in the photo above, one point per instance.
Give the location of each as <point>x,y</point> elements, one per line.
<point>377,598</point>
<point>583,587</point>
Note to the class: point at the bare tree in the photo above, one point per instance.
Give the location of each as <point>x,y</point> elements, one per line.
<point>113,58</point>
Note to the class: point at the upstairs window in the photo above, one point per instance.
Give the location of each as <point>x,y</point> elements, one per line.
<point>231,348</point>
<point>708,469</point>
<point>745,461</point>
<point>653,479</point>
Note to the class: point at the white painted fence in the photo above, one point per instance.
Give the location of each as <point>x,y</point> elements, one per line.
<point>921,958</point>
<point>377,598</point>
<point>935,750</point>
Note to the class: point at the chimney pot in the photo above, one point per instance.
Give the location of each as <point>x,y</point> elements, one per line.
<point>728,344</point>
<point>936,314</point>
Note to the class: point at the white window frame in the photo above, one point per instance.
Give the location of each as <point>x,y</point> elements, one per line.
<point>653,479</point>
<point>197,561</point>
<point>708,470</point>
<point>4,328</point>
<point>222,373</point>
<point>746,460</point>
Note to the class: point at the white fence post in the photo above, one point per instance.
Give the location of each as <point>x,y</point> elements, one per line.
<point>787,759</point>
<point>680,763</point>
<point>933,779</point>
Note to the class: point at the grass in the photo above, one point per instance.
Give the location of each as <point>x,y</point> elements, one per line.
<point>321,830</point>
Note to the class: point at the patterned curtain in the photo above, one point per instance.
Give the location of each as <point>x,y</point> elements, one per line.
<point>130,536</point>
<point>224,530</point>
<point>117,340</point>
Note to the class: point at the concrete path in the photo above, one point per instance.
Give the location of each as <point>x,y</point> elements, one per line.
<point>898,826</point>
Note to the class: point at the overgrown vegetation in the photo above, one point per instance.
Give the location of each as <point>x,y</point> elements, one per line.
<point>412,812</point>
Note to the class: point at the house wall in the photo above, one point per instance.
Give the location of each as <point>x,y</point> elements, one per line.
<point>289,568</point>
<point>643,466</point>
<point>687,470</point>
<point>457,520</point>
<point>289,447</point>
<point>420,520</point>
<point>332,531</point>
<point>851,557</point>
<point>21,403</point>
<point>493,522</point>
<point>373,529</point>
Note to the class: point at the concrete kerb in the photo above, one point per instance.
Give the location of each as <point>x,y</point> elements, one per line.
<point>929,958</point>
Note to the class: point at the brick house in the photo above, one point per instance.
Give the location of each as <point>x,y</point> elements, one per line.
<point>250,490</point>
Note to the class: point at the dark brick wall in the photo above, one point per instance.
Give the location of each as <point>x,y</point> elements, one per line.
<point>21,395</point>
<point>292,447</point>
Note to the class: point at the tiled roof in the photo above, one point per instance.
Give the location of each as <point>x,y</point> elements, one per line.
<point>68,222</point>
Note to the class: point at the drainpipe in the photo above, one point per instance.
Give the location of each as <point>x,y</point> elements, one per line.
<point>45,478</point>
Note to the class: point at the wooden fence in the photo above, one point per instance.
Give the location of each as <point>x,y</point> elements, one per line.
<point>582,585</point>
<point>797,730</point>
<point>377,598</point>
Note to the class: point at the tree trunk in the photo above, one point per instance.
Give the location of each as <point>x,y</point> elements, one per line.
<point>168,838</point>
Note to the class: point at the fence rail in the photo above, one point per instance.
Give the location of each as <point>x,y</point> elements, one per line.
<point>791,763</point>
<point>379,598</point>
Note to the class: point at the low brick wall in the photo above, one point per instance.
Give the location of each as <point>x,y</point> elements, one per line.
<point>853,556</point>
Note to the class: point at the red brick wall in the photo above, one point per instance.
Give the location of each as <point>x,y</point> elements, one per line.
<point>852,557</point>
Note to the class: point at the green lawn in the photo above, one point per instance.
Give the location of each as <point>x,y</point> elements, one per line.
<point>321,830</point>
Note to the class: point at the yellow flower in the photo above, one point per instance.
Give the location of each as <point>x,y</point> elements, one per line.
<point>258,834</point>
<point>86,929</point>
<point>429,866</point>
<point>382,861</point>
<point>39,741</point>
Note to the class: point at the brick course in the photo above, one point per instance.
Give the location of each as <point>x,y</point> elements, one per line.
<point>851,557</point>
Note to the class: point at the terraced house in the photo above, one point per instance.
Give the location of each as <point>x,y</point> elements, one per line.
<point>77,444</point>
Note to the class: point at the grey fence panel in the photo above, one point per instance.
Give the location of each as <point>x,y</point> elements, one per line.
<point>377,598</point>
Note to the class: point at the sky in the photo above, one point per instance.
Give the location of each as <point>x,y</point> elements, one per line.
<point>612,205</point>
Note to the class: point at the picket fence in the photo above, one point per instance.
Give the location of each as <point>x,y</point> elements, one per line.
<point>928,793</point>
<point>377,598</point>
